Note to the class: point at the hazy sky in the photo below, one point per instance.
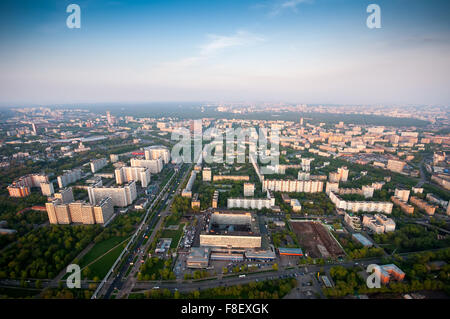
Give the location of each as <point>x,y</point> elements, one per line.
<point>305,51</point>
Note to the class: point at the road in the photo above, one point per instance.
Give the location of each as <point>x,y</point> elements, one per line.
<point>124,286</point>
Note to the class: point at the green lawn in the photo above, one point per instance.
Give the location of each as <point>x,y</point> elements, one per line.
<point>99,249</point>
<point>101,266</point>
<point>174,234</point>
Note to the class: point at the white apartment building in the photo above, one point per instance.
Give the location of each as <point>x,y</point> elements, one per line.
<point>98,164</point>
<point>121,196</point>
<point>357,206</point>
<point>69,177</point>
<point>378,223</point>
<point>79,212</point>
<point>249,189</point>
<point>293,186</point>
<point>251,203</point>
<point>156,152</point>
<point>402,194</point>
<point>127,174</point>
<point>154,165</point>
<point>206,174</point>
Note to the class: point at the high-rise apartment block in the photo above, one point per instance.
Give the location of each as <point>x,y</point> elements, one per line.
<point>21,187</point>
<point>156,152</point>
<point>127,174</point>
<point>47,189</point>
<point>69,177</point>
<point>98,164</point>
<point>121,196</point>
<point>154,165</point>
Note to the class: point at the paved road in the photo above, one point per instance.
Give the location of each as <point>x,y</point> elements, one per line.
<point>119,282</point>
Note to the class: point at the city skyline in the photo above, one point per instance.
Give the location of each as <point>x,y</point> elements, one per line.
<point>315,52</point>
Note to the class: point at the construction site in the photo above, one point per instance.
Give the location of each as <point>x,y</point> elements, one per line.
<point>315,240</point>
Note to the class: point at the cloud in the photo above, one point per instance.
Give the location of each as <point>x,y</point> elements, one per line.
<point>219,42</point>
<point>216,44</point>
<point>287,5</point>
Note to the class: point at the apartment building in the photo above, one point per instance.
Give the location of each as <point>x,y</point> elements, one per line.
<point>423,205</point>
<point>215,199</point>
<point>402,194</point>
<point>354,222</point>
<point>98,164</point>
<point>121,196</point>
<point>127,174</point>
<point>47,189</point>
<point>293,186</point>
<point>249,189</point>
<point>157,152</point>
<point>154,165</point>
<point>395,166</point>
<point>252,203</point>
<point>231,178</point>
<point>79,212</point>
<point>378,223</point>
<point>359,206</point>
<point>206,174</point>
<point>69,177</point>
<point>195,202</point>
<point>405,207</point>
<point>21,187</point>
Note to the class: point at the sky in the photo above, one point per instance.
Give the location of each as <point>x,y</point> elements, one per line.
<point>296,51</point>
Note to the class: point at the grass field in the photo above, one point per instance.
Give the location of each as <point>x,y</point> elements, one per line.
<point>99,249</point>
<point>100,267</point>
<point>174,234</point>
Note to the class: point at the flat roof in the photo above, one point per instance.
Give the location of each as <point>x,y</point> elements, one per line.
<point>363,240</point>
<point>290,251</point>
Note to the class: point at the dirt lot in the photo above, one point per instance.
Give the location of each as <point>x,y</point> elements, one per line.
<point>316,240</point>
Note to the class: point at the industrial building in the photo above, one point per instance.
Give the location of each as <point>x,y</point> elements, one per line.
<point>231,230</point>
